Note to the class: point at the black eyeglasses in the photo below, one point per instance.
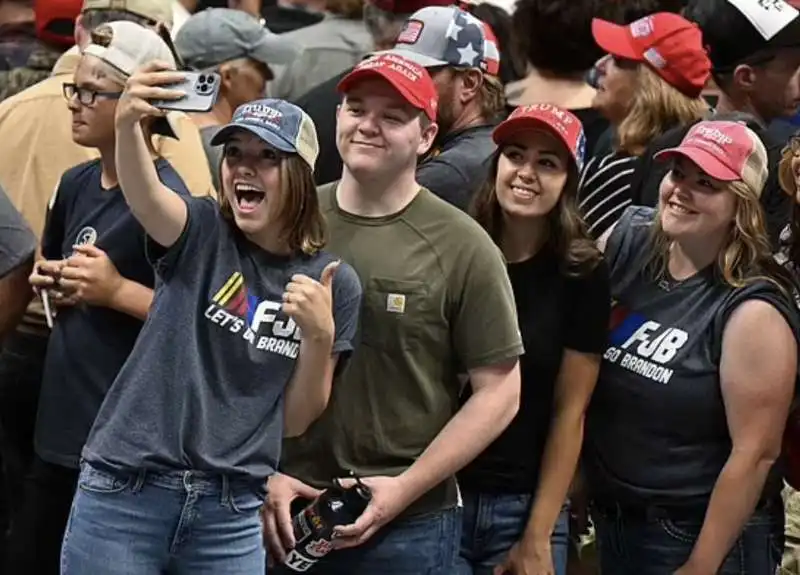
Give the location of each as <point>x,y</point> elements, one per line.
<point>87,96</point>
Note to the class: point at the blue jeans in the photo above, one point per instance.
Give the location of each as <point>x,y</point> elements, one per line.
<point>655,542</point>
<point>419,545</point>
<point>493,523</point>
<point>147,523</point>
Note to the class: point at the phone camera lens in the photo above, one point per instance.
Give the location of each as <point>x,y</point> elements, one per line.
<point>202,78</point>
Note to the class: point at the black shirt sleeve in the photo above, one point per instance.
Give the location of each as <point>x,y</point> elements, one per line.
<point>588,309</point>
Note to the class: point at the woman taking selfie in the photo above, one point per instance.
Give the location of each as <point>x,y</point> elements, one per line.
<point>699,375</point>
<point>514,492</point>
<point>247,324</point>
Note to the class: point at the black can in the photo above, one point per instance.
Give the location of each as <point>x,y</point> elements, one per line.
<point>314,525</point>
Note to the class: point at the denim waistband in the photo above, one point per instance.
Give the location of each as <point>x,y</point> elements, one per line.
<point>198,482</point>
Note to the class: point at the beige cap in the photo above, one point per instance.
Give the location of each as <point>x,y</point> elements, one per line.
<point>130,46</point>
<point>155,10</point>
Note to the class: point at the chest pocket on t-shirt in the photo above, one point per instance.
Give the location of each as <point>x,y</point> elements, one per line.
<point>395,313</point>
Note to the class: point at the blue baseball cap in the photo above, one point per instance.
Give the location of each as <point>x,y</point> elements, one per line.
<point>279,123</point>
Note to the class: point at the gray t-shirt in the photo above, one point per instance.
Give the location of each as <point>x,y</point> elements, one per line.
<point>213,153</point>
<point>17,242</point>
<point>658,392</point>
<point>458,166</point>
<point>203,387</point>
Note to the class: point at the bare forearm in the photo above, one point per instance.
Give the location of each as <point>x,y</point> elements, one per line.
<point>309,390</point>
<point>160,211</point>
<point>559,461</point>
<point>15,294</point>
<point>733,500</point>
<point>479,422</point>
<point>133,299</point>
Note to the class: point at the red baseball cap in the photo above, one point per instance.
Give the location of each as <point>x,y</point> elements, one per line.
<point>55,20</point>
<point>670,44</point>
<point>726,151</point>
<point>559,121</point>
<point>411,80</point>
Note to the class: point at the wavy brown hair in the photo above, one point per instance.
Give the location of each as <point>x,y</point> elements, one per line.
<point>656,107</point>
<point>746,256</point>
<point>567,235</point>
<point>302,223</point>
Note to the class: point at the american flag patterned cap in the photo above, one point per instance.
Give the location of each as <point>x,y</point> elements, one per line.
<point>448,36</point>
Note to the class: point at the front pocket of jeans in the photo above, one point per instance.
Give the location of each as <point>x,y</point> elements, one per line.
<point>684,532</point>
<point>94,481</point>
<point>244,502</point>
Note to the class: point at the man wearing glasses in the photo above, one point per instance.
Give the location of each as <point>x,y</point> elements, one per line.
<point>98,282</point>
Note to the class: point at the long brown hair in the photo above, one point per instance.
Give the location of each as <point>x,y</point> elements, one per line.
<point>568,236</point>
<point>302,224</point>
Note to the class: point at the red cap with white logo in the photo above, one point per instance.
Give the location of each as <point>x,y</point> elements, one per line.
<point>411,80</point>
<point>726,151</point>
<point>563,123</point>
<point>670,44</point>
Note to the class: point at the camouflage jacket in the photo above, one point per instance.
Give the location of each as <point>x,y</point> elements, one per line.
<point>37,66</point>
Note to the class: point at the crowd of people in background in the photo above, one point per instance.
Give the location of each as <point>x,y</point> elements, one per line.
<point>528,273</point>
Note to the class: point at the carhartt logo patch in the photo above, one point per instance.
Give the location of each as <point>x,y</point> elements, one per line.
<point>396,303</point>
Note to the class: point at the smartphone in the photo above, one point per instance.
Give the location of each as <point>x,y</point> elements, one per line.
<point>202,89</point>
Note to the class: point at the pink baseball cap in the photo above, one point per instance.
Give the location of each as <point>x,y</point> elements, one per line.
<point>670,44</point>
<point>411,80</point>
<point>726,151</point>
<point>559,121</point>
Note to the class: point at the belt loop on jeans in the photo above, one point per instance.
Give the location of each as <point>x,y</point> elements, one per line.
<point>225,495</point>
<point>141,475</point>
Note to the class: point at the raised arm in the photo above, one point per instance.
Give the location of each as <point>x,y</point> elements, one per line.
<point>160,210</point>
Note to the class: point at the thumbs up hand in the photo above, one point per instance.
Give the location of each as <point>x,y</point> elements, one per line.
<point>310,303</point>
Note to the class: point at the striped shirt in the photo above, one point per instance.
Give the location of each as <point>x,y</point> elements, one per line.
<point>604,190</point>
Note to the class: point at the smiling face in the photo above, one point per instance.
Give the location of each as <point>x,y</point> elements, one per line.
<point>694,205</point>
<point>532,171</point>
<point>251,181</point>
<point>377,131</point>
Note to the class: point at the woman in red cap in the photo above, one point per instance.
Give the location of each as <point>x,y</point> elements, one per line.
<point>650,82</point>
<point>687,419</point>
<point>515,518</point>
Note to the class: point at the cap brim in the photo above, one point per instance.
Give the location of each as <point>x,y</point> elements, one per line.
<point>704,160</point>
<point>510,128</point>
<point>614,39</point>
<point>164,126</point>
<point>276,141</point>
<point>416,57</point>
<point>272,50</point>
<point>359,75</point>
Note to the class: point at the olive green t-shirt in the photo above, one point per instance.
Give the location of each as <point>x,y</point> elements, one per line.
<point>437,302</point>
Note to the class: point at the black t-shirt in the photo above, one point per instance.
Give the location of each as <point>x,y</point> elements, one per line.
<point>656,430</point>
<point>555,312</point>
<point>646,180</point>
<point>89,344</point>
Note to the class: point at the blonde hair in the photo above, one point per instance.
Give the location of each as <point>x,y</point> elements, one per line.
<point>746,256</point>
<point>656,107</point>
<point>302,224</point>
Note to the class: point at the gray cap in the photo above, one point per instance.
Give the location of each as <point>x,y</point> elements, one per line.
<point>217,35</point>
